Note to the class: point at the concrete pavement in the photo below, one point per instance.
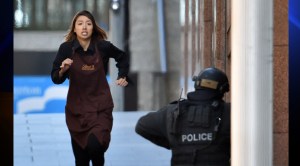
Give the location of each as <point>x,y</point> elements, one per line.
<point>43,140</point>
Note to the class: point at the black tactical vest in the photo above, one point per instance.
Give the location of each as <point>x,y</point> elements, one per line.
<point>199,133</point>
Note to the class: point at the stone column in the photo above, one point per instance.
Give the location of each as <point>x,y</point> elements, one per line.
<point>155,88</point>
<point>252,83</point>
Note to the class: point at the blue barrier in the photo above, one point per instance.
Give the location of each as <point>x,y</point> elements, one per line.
<point>38,94</point>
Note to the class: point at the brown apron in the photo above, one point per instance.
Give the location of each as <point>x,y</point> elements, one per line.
<point>89,102</point>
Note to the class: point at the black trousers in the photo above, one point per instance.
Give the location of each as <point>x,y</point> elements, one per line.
<point>94,151</point>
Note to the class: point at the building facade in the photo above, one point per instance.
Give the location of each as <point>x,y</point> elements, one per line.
<point>207,42</point>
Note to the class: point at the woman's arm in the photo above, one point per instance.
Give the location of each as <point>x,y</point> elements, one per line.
<point>58,76</point>
<point>120,57</point>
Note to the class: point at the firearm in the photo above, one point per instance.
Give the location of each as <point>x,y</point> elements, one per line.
<point>176,113</point>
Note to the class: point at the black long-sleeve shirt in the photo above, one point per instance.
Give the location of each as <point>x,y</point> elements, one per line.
<point>106,49</point>
<point>153,127</point>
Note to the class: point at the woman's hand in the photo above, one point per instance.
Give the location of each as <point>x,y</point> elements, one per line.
<point>122,82</point>
<point>65,65</point>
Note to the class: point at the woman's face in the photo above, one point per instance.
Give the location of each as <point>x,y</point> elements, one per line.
<point>83,28</point>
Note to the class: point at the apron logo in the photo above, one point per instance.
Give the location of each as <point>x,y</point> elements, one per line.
<point>88,67</point>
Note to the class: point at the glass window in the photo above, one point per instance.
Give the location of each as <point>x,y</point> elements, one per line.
<point>56,14</point>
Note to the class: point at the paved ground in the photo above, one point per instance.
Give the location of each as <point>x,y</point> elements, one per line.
<point>43,140</point>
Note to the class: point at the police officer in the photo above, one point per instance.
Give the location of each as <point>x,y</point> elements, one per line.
<point>196,129</point>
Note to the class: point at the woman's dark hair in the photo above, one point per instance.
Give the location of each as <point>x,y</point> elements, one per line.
<point>98,33</point>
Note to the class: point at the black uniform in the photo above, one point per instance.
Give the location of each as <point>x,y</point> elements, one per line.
<point>197,130</point>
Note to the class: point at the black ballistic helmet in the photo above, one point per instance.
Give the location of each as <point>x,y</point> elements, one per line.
<point>212,78</point>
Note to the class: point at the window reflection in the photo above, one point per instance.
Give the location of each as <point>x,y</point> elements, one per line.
<point>56,14</point>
